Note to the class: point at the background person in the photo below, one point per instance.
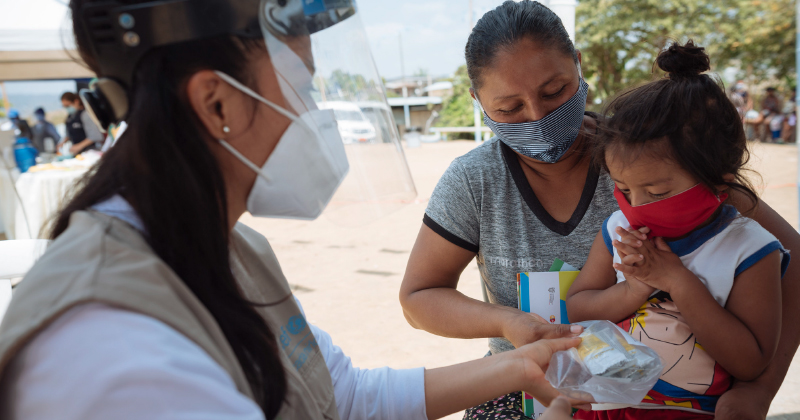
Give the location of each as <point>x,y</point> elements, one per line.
<point>81,130</point>
<point>738,101</point>
<point>45,137</point>
<point>789,119</point>
<point>531,195</point>
<point>19,123</point>
<point>154,295</point>
<point>770,109</point>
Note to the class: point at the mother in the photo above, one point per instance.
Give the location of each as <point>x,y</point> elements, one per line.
<point>531,195</point>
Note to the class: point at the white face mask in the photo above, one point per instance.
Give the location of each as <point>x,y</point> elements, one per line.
<point>303,172</point>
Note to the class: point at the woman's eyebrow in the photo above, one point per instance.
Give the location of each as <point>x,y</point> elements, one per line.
<point>550,80</point>
<point>514,95</point>
<point>500,98</point>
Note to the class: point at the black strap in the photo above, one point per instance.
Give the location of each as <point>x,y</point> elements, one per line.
<point>444,233</point>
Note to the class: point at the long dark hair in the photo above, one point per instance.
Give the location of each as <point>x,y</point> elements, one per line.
<point>685,116</point>
<point>505,25</point>
<point>164,167</point>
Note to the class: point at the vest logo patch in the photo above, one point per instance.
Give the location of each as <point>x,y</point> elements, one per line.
<point>296,324</point>
<point>297,340</point>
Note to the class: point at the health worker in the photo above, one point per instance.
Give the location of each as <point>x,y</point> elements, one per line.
<point>152,302</point>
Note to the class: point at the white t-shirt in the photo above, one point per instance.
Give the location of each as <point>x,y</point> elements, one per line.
<point>716,253</point>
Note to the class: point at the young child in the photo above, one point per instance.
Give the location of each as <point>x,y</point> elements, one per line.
<point>703,287</point>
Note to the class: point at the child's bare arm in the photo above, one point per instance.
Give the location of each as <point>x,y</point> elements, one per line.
<point>743,336</point>
<point>596,293</point>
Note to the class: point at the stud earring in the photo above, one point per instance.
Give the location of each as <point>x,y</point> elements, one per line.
<point>226,129</point>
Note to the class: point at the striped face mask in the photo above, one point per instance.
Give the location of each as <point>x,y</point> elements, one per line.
<point>550,137</point>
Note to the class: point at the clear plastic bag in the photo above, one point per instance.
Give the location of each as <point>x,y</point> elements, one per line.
<point>609,366</point>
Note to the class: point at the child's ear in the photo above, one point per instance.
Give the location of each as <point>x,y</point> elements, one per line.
<point>726,178</point>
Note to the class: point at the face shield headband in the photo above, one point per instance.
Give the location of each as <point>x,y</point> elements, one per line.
<point>318,54</point>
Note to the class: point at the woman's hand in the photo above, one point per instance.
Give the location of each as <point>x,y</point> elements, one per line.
<point>744,401</point>
<point>559,409</point>
<point>656,266</point>
<point>452,388</point>
<point>524,328</point>
<point>535,358</point>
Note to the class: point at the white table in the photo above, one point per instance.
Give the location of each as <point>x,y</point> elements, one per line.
<point>41,194</point>
<point>8,199</point>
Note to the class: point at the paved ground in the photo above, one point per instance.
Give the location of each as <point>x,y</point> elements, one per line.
<point>348,279</point>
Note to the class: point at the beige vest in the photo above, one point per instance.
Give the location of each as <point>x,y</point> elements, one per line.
<point>102,259</point>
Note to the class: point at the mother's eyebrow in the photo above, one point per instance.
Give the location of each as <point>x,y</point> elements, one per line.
<point>500,98</point>
<point>514,95</point>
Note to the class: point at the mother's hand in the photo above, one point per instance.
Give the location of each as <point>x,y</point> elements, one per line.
<point>524,328</point>
<point>560,409</point>
<point>744,401</point>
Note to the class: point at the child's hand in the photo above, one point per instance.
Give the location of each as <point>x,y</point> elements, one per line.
<point>656,266</point>
<point>628,251</point>
<point>638,288</point>
<point>631,238</point>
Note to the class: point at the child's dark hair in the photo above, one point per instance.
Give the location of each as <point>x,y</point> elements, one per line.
<point>687,115</point>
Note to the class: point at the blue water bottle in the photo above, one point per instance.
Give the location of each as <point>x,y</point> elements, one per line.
<point>24,153</point>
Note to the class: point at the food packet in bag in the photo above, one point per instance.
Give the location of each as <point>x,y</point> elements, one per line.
<point>609,366</point>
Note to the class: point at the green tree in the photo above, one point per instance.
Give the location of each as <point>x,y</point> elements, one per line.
<point>765,42</point>
<point>619,39</point>
<point>457,108</point>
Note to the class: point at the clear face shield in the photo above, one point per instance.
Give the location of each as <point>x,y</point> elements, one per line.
<point>323,64</point>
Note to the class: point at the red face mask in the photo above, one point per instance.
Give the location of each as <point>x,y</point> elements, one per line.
<point>674,216</point>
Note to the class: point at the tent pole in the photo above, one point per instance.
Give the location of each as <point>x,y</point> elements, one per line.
<point>6,104</point>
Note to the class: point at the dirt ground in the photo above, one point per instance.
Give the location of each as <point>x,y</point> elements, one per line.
<point>348,279</point>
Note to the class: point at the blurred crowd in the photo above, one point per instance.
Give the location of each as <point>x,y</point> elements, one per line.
<point>47,141</point>
<point>769,120</point>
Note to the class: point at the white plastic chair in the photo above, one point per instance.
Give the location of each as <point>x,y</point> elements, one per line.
<point>16,258</point>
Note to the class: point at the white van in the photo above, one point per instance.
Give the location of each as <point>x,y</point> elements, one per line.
<point>353,125</point>
<point>380,115</point>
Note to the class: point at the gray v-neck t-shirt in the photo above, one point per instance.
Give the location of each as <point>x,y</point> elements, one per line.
<point>484,203</point>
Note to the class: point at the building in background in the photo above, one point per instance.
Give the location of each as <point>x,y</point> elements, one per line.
<point>419,108</point>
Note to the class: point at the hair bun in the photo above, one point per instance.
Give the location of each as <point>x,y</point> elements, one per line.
<point>683,60</point>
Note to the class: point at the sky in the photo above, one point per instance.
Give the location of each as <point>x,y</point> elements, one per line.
<point>433,32</point>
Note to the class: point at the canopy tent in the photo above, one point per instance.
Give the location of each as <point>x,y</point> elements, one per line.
<point>40,65</point>
<point>36,43</point>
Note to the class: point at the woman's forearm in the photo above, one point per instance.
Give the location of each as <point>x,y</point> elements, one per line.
<point>614,304</point>
<point>449,313</point>
<point>457,387</point>
<point>453,388</point>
